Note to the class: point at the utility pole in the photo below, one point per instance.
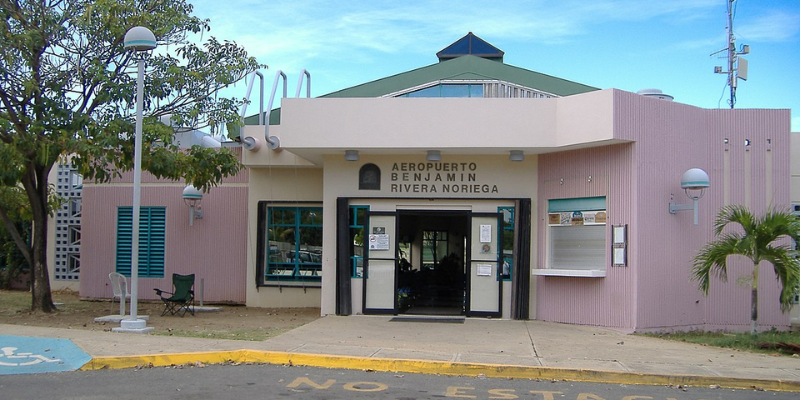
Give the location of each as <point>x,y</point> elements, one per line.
<point>737,66</point>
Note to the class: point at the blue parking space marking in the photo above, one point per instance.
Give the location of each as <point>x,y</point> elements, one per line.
<point>33,355</point>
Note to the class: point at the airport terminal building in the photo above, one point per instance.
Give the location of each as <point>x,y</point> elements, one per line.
<point>467,187</point>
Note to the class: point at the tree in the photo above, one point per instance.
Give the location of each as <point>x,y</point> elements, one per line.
<point>67,87</point>
<point>12,261</point>
<point>758,243</point>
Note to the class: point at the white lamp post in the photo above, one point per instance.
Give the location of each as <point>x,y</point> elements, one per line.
<point>138,39</point>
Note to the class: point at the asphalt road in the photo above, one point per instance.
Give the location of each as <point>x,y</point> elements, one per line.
<point>274,382</point>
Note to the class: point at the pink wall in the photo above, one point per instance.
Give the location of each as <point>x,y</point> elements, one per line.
<point>655,291</point>
<point>605,301</point>
<point>213,249</point>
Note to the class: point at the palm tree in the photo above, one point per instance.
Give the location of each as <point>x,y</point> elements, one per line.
<point>757,244</point>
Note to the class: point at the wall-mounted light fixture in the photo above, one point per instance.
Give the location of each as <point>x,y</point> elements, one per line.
<point>516,155</point>
<point>434,155</point>
<point>694,182</point>
<point>351,155</point>
<point>192,198</point>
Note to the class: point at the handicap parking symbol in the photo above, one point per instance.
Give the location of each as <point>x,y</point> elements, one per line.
<point>9,358</point>
<point>32,355</point>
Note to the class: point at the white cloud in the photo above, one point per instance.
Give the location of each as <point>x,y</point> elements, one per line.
<point>346,42</point>
<point>338,29</point>
<point>775,26</point>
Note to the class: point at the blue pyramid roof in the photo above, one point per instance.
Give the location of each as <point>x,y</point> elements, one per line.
<point>470,45</point>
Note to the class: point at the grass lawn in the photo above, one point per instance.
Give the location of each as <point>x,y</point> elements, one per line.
<point>229,322</point>
<point>772,342</point>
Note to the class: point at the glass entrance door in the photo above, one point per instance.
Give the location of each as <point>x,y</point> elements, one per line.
<point>380,267</point>
<point>484,283</point>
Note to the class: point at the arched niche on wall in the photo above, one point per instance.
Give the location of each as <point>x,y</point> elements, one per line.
<point>369,177</point>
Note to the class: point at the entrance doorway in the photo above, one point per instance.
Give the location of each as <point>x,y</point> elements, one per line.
<point>436,262</point>
<point>432,262</point>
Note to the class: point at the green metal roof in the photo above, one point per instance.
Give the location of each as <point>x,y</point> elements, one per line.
<point>467,67</point>
<point>462,67</point>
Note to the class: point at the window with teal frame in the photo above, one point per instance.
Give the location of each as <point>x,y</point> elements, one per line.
<point>152,241</point>
<point>358,225</point>
<point>294,244</point>
<point>508,233</point>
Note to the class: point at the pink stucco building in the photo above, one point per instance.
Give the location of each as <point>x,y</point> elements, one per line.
<point>467,187</point>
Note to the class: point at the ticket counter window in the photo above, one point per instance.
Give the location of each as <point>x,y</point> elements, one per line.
<point>577,234</point>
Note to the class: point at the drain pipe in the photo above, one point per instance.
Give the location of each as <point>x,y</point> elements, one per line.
<point>251,143</point>
<point>273,142</point>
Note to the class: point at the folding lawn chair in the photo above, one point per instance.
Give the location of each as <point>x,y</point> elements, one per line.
<point>182,297</point>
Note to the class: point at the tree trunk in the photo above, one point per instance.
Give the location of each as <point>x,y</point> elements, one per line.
<point>40,276</point>
<point>36,186</point>
<point>754,311</point>
<point>754,302</point>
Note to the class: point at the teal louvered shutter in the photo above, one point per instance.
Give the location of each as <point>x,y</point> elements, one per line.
<point>124,234</point>
<point>152,241</point>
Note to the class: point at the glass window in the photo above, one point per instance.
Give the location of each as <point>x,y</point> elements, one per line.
<point>476,90</point>
<point>455,91</point>
<point>75,180</point>
<point>294,243</point>
<point>358,225</point>
<point>577,234</point>
<point>74,235</point>
<point>449,90</point>
<point>404,255</point>
<point>432,91</point>
<point>434,248</point>
<point>75,207</point>
<point>152,241</point>
<point>74,263</point>
<point>508,240</point>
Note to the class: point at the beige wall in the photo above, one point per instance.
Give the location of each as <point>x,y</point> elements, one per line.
<point>499,180</point>
<point>263,156</point>
<point>290,185</point>
<point>312,128</point>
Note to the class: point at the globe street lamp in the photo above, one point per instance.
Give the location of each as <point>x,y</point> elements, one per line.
<point>139,39</point>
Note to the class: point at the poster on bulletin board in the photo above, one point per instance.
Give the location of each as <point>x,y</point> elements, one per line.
<point>379,242</point>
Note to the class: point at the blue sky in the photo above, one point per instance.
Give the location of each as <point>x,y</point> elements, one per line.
<point>623,44</point>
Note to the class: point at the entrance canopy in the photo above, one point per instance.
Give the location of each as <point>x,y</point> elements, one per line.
<point>451,125</point>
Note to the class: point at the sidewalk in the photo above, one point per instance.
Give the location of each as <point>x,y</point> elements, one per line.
<point>494,348</point>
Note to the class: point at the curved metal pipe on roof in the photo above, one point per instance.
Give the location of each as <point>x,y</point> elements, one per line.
<point>300,84</point>
<point>250,143</point>
<point>273,142</point>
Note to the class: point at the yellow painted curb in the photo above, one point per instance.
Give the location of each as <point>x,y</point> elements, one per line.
<point>436,367</point>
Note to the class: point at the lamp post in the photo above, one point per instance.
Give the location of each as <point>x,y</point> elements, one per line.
<point>139,39</point>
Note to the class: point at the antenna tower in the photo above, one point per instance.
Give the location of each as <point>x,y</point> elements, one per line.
<point>737,66</point>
